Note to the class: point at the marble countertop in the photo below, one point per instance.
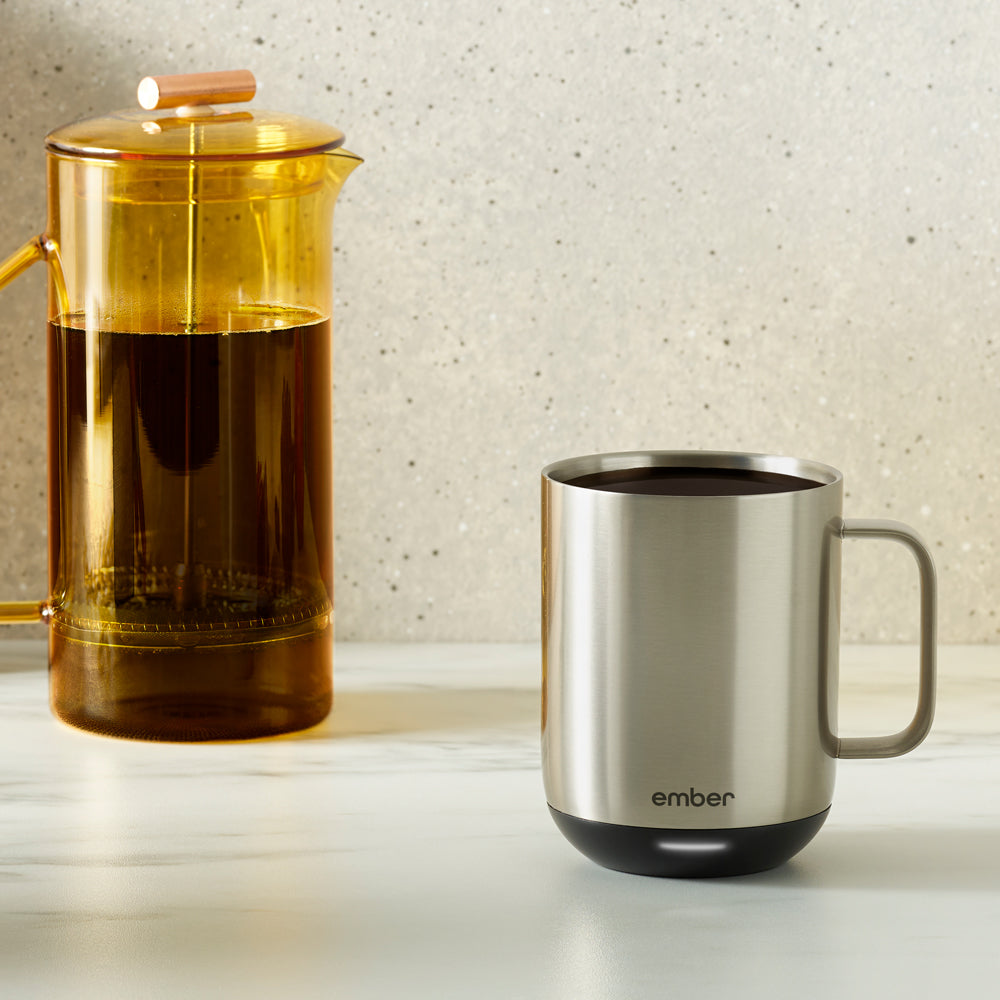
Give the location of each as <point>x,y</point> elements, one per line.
<point>403,848</point>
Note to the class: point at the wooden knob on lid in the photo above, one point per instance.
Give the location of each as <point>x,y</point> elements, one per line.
<point>191,89</point>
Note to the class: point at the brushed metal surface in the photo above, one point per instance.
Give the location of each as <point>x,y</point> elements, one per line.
<point>690,647</point>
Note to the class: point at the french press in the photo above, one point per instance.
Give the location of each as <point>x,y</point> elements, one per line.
<point>189,252</point>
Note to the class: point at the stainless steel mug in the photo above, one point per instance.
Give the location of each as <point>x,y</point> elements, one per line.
<point>690,634</point>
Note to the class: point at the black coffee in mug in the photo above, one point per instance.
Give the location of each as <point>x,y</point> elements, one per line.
<point>692,482</point>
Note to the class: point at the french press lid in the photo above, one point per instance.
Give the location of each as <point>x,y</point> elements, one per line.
<point>178,120</point>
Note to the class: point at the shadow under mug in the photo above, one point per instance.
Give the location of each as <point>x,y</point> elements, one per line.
<point>690,638</point>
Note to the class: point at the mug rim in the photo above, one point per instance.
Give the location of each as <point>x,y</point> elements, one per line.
<point>566,469</point>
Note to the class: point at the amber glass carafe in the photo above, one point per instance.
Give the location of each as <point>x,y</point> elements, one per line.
<point>190,418</point>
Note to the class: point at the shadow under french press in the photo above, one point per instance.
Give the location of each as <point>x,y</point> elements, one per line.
<point>934,859</point>
<point>384,713</point>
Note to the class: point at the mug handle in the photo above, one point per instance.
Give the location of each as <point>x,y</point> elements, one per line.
<point>36,249</point>
<point>906,739</point>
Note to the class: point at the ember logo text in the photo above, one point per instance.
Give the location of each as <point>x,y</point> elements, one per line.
<point>692,798</point>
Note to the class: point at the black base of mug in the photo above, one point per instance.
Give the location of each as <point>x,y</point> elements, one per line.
<point>641,850</point>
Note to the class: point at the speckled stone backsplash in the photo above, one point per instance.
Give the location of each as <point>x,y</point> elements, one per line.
<point>588,227</point>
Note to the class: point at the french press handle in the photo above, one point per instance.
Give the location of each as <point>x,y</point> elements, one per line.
<point>36,249</point>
